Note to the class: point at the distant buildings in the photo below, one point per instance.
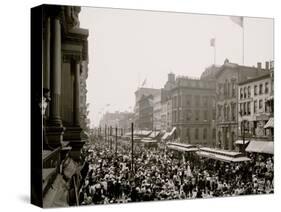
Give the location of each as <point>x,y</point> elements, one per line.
<point>193,110</point>
<point>140,93</point>
<point>210,111</point>
<point>122,120</point>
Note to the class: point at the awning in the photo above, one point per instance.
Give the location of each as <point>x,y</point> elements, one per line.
<point>165,136</point>
<point>147,140</point>
<point>269,124</point>
<point>154,134</point>
<point>222,157</point>
<point>173,130</point>
<point>182,149</point>
<point>261,147</point>
<point>241,142</point>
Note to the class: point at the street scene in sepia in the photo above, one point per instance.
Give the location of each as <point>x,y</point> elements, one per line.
<point>149,106</point>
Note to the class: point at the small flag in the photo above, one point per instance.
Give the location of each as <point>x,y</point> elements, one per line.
<point>144,82</point>
<point>213,42</point>
<point>238,20</point>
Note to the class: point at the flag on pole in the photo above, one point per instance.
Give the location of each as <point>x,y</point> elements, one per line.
<point>213,42</point>
<point>144,82</point>
<point>238,20</point>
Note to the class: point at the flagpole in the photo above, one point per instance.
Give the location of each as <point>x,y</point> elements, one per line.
<point>215,52</point>
<point>243,43</point>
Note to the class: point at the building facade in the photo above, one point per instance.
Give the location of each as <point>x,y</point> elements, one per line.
<point>138,95</point>
<point>146,112</point>
<point>65,56</point>
<point>193,110</point>
<point>227,78</point>
<point>157,109</point>
<point>255,108</point>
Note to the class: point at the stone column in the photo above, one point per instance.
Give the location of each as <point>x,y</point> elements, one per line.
<point>55,84</point>
<point>76,101</point>
<point>46,75</point>
<point>46,63</point>
<point>55,128</point>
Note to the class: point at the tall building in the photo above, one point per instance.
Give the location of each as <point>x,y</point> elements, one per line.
<point>193,110</point>
<point>64,52</point>
<point>138,95</point>
<point>146,112</point>
<point>166,103</point>
<point>255,107</point>
<point>157,109</point>
<point>227,78</point>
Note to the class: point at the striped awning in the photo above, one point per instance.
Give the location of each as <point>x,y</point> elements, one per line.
<point>269,124</point>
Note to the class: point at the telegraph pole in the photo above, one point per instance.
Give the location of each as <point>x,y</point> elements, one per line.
<point>132,139</point>
<point>116,141</point>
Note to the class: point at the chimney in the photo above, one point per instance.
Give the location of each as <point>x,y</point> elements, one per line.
<point>267,65</point>
<point>259,66</point>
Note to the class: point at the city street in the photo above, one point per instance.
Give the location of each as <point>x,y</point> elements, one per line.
<point>159,174</point>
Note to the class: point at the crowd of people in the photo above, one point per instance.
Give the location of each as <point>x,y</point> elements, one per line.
<point>158,174</point>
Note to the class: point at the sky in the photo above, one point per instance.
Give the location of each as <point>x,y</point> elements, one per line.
<point>128,47</point>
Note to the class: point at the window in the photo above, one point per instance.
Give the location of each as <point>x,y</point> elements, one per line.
<point>244,108</point>
<point>233,111</point>
<point>266,87</point>
<point>241,109</point>
<point>205,101</point>
<point>197,101</point>
<point>197,115</point>
<point>249,91</point>
<point>187,133</point>
<point>188,115</point>
<point>188,100</point>
<point>255,106</point>
<point>260,104</point>
<point>179,99</point>
<point>241,93</point>
<point>245,92</point>
<point>196,136</point>
<point>233,89</point>
<point>255,90</point>
<point>214,133</point>
<point>249,108</point>
<point>205,133</point>
<point>214,114</point>
<point>261,88</point>
<point>205,115</point>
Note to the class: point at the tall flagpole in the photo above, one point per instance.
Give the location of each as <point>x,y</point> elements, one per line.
<point>215,52</point>
<point>243,42</point>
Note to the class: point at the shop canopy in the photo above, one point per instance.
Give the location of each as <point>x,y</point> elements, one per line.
<point>148,140</point>
<point>154,134</point>
<point>182,147</point>
<point>168,134</point>
<point>222,155</point>
<point>261,147</point>
<point>224,158</point>
<point>241,142</point>
<point>269,124</point>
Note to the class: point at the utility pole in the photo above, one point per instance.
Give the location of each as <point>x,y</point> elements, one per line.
<point>105,136</point>
<point>132,139</point>
<point>116,130</point>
